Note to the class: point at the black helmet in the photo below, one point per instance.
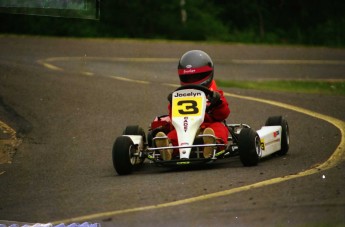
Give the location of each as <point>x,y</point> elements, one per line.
<point>195,67</point>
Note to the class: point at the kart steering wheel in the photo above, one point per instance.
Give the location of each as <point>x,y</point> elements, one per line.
<point>197,87</point>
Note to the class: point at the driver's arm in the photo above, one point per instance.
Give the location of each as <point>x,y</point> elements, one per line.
<point>219,112</point>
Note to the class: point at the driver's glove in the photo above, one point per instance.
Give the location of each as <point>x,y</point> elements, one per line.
<point>214,100</point>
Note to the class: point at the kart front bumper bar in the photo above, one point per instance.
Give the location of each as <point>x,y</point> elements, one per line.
<point>190,146</point>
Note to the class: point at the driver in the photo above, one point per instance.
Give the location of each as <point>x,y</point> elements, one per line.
<point>196,67</point>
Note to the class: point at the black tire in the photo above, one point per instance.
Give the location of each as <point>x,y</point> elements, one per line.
<point>285,141</point>
<point>122,155</point>
<point>249,147</point>
<point>134,130</point>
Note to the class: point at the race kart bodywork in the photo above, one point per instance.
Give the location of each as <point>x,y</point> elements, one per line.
<point>133,147</point>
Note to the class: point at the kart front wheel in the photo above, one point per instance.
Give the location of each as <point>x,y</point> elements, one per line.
<point>285,137</point>
<point>123,155</point>
<point>136,130</point>
<point>249,147</point>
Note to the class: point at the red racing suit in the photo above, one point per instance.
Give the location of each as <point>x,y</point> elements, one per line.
<point>213,119</point>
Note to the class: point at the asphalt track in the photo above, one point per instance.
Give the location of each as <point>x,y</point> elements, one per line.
<point>64,101</point>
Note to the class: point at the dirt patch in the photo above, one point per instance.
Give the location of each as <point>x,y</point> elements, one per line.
<point>8,143</point>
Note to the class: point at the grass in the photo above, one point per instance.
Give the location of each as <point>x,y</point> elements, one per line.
<point>331,87</point>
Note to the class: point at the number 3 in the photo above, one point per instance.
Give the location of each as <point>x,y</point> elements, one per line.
<point>188,107</point>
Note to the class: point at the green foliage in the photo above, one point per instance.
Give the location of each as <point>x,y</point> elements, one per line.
<point>260,21</point>
<point>201,25</point>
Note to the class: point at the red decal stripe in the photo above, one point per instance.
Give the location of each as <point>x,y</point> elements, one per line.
<point>194,70</point>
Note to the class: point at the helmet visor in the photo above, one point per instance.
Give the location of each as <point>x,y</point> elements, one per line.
<point>194,78</point>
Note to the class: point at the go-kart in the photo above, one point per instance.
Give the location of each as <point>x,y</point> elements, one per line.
<point>188,107</point>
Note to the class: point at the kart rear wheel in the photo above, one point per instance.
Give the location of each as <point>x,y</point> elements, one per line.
<point>123,158</point>
<point>285,137</point>
<point>249,147</point>
<point>134,130</point>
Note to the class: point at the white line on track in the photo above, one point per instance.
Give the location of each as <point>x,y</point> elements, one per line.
<point>49,62</point>
<point>130,80</point>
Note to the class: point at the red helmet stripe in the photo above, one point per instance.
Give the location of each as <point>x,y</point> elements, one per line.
<point>195,70</point>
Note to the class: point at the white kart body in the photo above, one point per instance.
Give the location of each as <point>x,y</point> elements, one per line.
<point>188,112</point>
<point>270,138</point>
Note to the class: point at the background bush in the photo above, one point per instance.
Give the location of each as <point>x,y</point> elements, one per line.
<point>310,22</point>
